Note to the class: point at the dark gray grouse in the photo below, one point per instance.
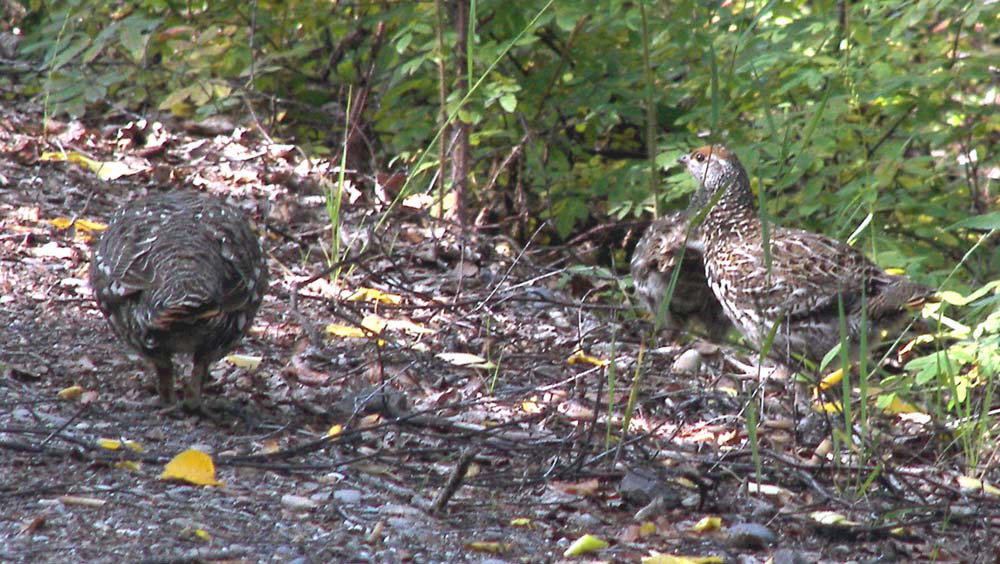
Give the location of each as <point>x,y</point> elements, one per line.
<point>809,275</point>
<point>664,246</point>
<point>179,273</point>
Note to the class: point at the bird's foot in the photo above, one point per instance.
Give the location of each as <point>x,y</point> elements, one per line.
<point>760,371</point>
<point>223,413</point>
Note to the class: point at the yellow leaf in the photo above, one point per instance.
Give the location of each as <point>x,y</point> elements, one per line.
<point>374,295</point>
<point>831,518</point>
<point>109,444</point>
<point>80,224</point>
<point>202,534</point>
<point>337,330</point>
<point>584,545</point>
<point>685,483</point>
<point>827,407</point>
<point>491,547</point>
<point>334,430</point>
<point>898,406</point>
<point>113,170</point>
<point>707,524</point>
<point>133,445</point>
<point>409,327</point>
<point>191,466</point>
<point>521,522</point>
<point>132,465</point>
<point>110,170</point>
<point>115,444</point>
<point>246,361</point>
<point>579,356</point>
<point>70,393</point>
<point>70,157</point>
<point>87,225</point>
<point>660,558</point>
<point>466,359</point>
<point>831,379</point>
<point>647,528</point>
<point>374,323</point>
<point>970,484</point>
<point>530,407</point>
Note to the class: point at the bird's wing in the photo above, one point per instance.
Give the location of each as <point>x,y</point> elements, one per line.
<point>809,273</point>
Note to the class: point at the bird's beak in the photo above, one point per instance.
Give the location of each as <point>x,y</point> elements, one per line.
<point>683,159</point>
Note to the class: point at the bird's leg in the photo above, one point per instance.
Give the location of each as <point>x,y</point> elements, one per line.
<point>220,411</point>
<point>199,373</point>
<point>165,380</point>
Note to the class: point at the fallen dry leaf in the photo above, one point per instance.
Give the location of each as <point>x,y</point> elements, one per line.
<point>191,466</point>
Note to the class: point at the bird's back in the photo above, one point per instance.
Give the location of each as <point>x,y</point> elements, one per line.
<point>179,273</point>
<point>809,280</point>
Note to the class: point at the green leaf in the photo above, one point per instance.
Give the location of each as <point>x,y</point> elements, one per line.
<point>403,42</point>
<point>983,222</point>
<point>508,102</point>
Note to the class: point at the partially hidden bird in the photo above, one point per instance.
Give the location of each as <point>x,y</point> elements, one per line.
<point>667,245</point>
<point>179,273</point>
<point>800,287</point>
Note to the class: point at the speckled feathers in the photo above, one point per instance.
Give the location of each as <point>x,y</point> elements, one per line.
<point>179,273</point>
<point>664,246</point>
<point>808,277</point>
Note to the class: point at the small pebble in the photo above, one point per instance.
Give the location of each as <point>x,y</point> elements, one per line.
<point>347,497</point>
<point>689,362</point>
<point>297,502</point>
<point>751,535</point>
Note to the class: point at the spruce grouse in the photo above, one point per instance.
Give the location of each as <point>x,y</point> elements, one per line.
<point>809,276</point>
<point>179,273</point>
<point>666,245</point>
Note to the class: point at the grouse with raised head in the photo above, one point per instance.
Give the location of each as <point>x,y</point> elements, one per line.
<point>179,273</point>
<point>809,278</point>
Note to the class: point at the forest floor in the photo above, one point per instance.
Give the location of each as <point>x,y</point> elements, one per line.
<point>475,427</point>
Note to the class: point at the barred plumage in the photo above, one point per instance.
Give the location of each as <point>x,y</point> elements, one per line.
<point>179,273</point>
<point>664,246</point>
<point>809,275</point>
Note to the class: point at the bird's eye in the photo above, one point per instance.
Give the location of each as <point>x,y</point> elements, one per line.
<point>700,157</point>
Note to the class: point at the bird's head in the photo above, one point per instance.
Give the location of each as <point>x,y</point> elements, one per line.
<point>715,168</point>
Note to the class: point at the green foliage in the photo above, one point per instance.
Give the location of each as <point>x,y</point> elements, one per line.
<point>961,379</point>
<point>836,121</point>
<point>78,71</point>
